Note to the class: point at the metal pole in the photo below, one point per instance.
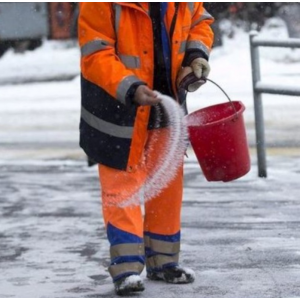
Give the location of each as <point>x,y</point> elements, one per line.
<point>258,109</point>
<point>286,43</point>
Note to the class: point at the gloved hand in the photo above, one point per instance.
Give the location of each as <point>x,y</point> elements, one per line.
<point>191,78</point>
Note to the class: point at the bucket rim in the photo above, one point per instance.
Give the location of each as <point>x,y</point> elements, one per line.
<point>238,113</point>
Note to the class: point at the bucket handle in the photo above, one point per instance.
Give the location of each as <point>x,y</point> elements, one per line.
<point>190,79</point>
<point>207,79</point>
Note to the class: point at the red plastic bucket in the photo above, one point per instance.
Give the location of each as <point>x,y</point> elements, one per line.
<point>218,137</point>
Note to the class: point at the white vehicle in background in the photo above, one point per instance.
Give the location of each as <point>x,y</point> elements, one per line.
<point>23,26</point>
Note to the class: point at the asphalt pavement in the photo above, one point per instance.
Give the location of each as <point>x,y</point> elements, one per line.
<point>242,238</point>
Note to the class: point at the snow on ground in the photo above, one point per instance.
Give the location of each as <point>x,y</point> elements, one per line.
<point>241,238</point>
<point>53,60</point>
<point>49,111</point>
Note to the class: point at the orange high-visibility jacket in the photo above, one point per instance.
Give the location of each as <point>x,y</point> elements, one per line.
<point>117,51</point>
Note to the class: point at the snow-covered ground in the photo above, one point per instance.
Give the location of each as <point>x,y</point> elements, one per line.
<point>242,238</point>
<point>48,111</point>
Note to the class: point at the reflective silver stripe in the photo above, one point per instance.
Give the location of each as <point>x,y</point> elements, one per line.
<point>204,16</point>
<point>191,6</point>
<point>162,246</point>
<point>94,46</point>
<point>130,61</point>
<point>124,86</point>
<point>182,47</point>
<point>197,45</point>
<point>106,127</point>
<point>119,269</point>
<point>118,10</point>
<point>126,249</point>
<point>158,260</point>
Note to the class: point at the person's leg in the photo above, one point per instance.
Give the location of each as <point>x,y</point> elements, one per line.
<point>124,224</point>
<point>162,224</point>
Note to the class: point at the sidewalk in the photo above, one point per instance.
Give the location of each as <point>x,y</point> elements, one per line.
<point>242,238</point>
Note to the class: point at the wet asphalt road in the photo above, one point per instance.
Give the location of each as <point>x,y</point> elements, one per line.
<point>242,238</point>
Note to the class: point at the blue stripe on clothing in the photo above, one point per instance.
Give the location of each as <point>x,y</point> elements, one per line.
<point>165,266</point>
<point>165,40</point>
<point>149,252</point>
<point>166,238</point>
<point>128,258</point>
<point>117,236</point>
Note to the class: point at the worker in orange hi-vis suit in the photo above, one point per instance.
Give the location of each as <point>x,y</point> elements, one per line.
<point>129,50</point>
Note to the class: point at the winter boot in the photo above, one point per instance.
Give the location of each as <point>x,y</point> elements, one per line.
<point>128,285</point>
<point>173,274</point>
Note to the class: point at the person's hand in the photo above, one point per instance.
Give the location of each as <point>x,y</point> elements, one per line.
<point>200,67</point>
<point>191,78</point>
<point>145,96</point>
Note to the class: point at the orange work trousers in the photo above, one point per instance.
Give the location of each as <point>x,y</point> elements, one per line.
<point>162,213</point>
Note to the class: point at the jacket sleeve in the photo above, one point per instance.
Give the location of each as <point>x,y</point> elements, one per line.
<point>99,61</point>
<point>201,36</point>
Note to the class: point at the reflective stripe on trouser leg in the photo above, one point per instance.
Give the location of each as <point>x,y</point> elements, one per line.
<point>126,253</point>
<point>161,250</point>
<point>124,225</point>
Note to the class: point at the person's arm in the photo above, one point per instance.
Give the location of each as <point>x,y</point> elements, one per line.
<point>99,61</point>
<point>195,64</point>
<point>201,36</point>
